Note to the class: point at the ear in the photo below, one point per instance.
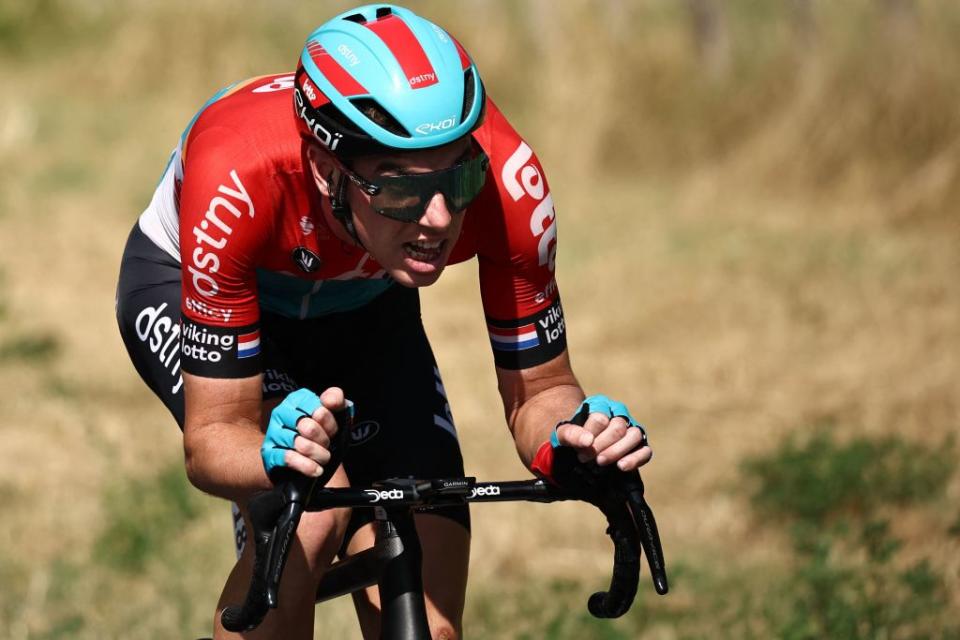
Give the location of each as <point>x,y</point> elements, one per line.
<point>322,167</point>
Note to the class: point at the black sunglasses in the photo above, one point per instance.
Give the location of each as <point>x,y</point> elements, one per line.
<point>405,197</point>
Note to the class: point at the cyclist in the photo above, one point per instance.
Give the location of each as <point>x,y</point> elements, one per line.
<point>276,269</point>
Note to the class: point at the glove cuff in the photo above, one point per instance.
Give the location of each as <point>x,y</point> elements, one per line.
<point>542,464</point>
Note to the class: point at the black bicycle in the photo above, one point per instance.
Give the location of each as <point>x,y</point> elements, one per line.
<point>394,562</point>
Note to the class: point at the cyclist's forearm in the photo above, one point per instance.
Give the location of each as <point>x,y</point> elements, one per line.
<point>224,460</point>
<point>534,420</point>
<point>222,435</point>
<point>536,399</point>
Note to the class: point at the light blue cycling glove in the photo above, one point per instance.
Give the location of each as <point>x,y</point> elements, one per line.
<point>601,404</point>
<point>543,461</point>
<point>282,429</point>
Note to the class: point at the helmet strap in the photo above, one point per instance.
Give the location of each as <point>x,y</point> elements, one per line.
<point>339,207</point>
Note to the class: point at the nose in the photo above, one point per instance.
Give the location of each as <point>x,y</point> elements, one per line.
<point>436,215</point>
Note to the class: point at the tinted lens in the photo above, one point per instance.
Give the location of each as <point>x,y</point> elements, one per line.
<point>401,198</point>
<point>464,186</point>
<point>406,197</point>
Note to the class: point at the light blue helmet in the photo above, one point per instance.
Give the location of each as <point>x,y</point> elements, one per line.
<point>381,77</point>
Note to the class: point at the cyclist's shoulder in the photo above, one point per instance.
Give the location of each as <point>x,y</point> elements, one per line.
<point>247,124</point>
<point>497,136</point>
<point>244,145</point>
<point>516,175</point>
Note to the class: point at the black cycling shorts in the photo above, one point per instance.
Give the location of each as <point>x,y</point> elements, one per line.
<point>378,354</point>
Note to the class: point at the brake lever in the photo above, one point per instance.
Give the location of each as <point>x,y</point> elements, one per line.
<point>274,516</point>
<point>647,530</point>
<point>264,508</point>
<point>296,490</point>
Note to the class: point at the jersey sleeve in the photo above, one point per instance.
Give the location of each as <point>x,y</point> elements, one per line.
<point>517,256</point>
<point>224,224</point>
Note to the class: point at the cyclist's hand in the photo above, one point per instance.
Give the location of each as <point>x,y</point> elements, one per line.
<point>610,435</point>
<point>601,431</point>
<point>299,432</point>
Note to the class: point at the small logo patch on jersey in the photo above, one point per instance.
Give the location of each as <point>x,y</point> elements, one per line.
<point>364,432</point>
<point>515,338</point>
<point>307,260</point>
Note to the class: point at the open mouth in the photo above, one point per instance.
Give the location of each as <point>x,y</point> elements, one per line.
<point>423,251</point>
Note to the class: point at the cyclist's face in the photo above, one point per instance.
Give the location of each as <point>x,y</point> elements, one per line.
<point>413,253</point>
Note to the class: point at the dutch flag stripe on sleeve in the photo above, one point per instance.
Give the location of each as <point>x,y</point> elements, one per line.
<point>248,344</point>
<point>514,339</point>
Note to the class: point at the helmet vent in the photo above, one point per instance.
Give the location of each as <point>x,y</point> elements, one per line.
<point>383,12</point>
<point>468,92</point>
<point>372,109</point>
<point>335,115</point>
<point>356,17</point>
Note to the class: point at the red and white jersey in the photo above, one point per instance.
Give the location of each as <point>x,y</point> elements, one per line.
<point>240,211</point>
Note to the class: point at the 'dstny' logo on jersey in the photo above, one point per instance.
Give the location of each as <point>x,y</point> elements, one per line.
<point>232,206</point>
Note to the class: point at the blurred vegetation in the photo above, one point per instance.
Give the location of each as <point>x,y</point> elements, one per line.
<point>143,517</point>
<point>23,346</point>
<point>837,99</point>
<point>775,186</point>
<point>851,584</point>
<point>29,347</point>
<point>821,479</point>
<point>853,577</point>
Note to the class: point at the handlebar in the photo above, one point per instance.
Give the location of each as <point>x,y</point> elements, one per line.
<point>631,527</point>
<point>275,515</point>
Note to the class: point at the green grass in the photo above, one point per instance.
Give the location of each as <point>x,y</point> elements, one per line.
<point>33,347</point>
<point>550,610</point>
<point>36,346</point>
<point>954,529</point>
<point>852,576</point>
<point>14,577</point>
<point>816,479</point>
<point>143,518</point>
<point>149,574</point>
<point>851,581</point>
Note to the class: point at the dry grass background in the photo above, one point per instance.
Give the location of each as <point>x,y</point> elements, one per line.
<point>742,256</point>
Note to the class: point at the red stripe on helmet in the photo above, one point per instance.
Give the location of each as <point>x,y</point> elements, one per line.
<point>406,49</point>
<point>464,58</point>
<point>314,96</point>
<point>339,77</point>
